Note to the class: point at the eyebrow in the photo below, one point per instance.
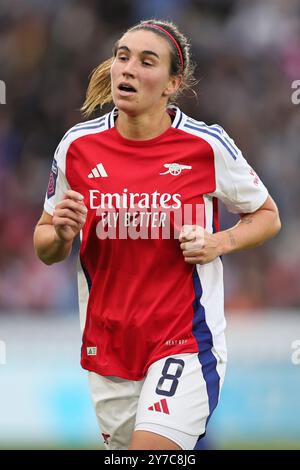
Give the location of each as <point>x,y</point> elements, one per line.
<point>143,52</point>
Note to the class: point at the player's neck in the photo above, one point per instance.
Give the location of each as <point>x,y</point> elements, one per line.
<point>143,127</point>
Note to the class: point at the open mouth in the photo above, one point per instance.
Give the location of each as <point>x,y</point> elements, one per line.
<point>126,88</point>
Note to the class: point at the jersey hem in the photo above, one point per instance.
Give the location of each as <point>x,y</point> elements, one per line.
<point>122,373</point>
<point>142,425</point>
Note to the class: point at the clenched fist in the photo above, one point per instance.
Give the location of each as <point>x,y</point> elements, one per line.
<point>199,246</point>
<point>69,216</point>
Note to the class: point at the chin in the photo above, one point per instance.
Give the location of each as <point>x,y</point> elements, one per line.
<point>127,107</point>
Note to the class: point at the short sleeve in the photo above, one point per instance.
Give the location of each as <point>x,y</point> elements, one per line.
<point>237,184</point>
<point>58,184</point>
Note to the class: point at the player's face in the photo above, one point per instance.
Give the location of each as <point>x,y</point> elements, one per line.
<point>140,73</point>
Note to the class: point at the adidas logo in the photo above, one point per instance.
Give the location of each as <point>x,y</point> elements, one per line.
<point>98,172</point>
<point>160,406</point>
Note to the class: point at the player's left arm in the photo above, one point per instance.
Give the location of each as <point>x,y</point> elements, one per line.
<point>200,247</point>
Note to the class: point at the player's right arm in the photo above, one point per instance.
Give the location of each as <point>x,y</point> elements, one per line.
<point>54,234</point>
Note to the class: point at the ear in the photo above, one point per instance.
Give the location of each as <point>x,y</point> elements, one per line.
<point>172,86</point>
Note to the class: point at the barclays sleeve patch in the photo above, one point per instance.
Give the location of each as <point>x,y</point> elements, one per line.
<point>52,180</point>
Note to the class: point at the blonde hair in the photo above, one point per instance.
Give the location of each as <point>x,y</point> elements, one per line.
<point>99,89</point>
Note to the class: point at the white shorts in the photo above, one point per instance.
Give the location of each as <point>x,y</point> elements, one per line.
<point>175,400</point>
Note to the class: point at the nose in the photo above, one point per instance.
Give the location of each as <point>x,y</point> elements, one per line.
<point>129,68</point>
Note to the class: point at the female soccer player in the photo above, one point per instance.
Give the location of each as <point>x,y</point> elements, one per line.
<point>151,299</point>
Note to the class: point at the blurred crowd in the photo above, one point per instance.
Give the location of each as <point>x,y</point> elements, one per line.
<point>247,55</point>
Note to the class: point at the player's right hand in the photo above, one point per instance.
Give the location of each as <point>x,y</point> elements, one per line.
<point>69,216</point>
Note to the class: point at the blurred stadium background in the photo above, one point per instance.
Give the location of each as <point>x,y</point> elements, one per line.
<point>247,55</point>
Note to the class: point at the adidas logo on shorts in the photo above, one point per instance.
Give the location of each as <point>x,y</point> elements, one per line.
<point>161,406</point>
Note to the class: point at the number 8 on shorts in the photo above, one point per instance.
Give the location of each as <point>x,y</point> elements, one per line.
<point>168,381</point>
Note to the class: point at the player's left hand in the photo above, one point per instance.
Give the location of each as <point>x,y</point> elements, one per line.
<point>198,246</point>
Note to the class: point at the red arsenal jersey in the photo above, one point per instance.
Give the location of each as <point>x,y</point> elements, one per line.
<point>139,301</point>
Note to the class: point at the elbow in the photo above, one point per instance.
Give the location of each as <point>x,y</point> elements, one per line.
<point>40,250</point>
<point>42,256</point>
<point>46,261</point>
<point>276,226</point>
